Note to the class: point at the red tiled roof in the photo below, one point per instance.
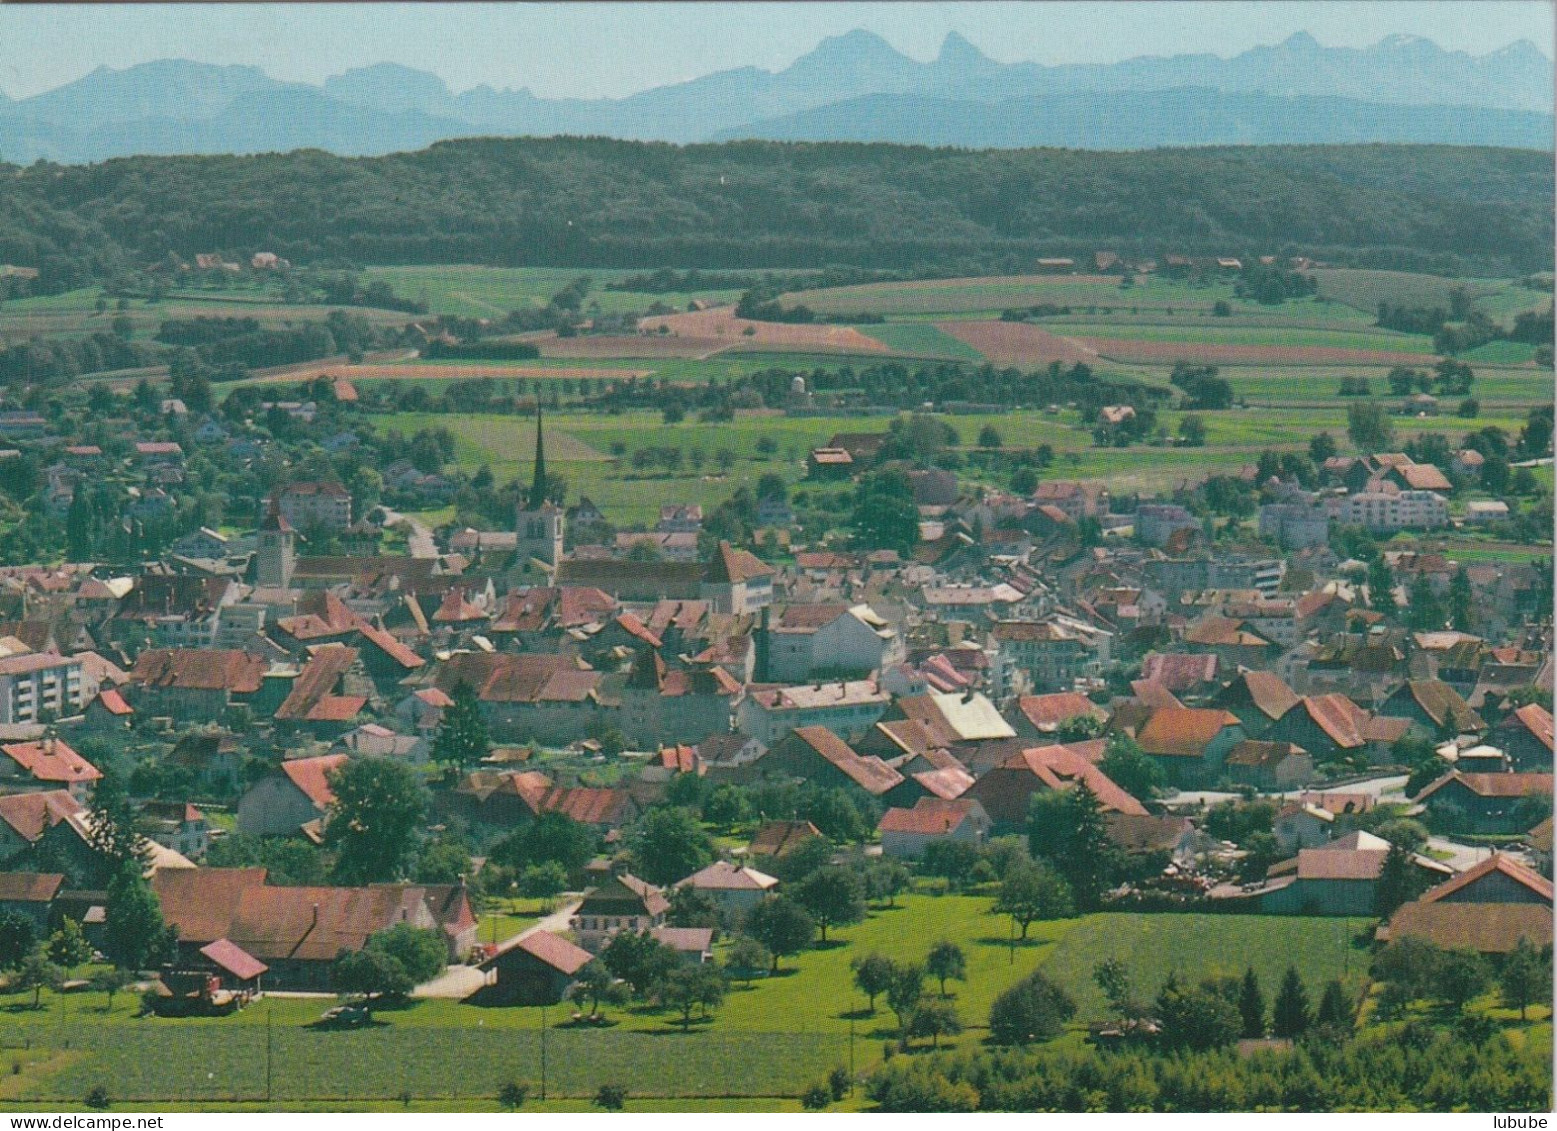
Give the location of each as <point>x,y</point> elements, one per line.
<point>1336,715</point>
<point>1340,864</point>
<point>1497,862</point>
<point>1537,720</point>
<point>455,609</point>
<point>1183,732</point>
<point>680,758</point>
<point>234,959</point>
<point>553,950</point>
<point>1179,671</point>
<point>588,806</point>
<point>315,686</point>
<point>1491,928</point>
<point>1047,712</point>
<point>311,776</point>
<point>780,838</point>
<point>113,702</point>
<point>930,816</point>
<point>1252,753</point>
<point>1153,694</point>
<point>391,647</point>
<point>731,566</point>
<point>1269,693</point>
<point>34,813</point>
<point>50,760</point>
<point>945,782</point>
<point>1005,790</point>
<point>193,669</point>
<point>870,774</point>
<point>722,875</point>
<point>1494,785</point>
<point>199,902</point>
<point>320,614</point>
<point>29,887</point>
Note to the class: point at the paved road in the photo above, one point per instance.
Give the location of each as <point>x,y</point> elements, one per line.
<point>556,922</point>
<point>419,542</point>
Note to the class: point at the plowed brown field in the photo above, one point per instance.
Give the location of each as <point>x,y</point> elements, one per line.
<point>721,324</point>
<point>1018,343</point>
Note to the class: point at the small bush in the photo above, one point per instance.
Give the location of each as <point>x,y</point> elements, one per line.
<point>816,1097</point>
<point>838,1082</point>
<point>97,1098</point>
<point>512,1095</point>
<point>612,1097</point>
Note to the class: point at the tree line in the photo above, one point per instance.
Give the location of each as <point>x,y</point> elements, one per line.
<point>598,202</point>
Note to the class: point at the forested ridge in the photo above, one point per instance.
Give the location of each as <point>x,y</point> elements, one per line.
<point>592,202</point>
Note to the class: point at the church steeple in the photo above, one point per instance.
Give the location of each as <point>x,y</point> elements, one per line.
<point>538,484</point>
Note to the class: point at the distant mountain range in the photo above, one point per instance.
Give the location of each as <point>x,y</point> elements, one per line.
<point>851,87</point>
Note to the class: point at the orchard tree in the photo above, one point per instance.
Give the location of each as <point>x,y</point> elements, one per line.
<point>1033,891</point>
<point>946,962</point>
<point>781,925</point>
<point>669,844</point>
<point>873,976</point>
<point>834,897</point>
<point>1525,978</point>
<point>374,820</point>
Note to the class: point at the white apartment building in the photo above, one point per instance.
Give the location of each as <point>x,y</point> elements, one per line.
<point>1384,511</point>
<point>38,682</point>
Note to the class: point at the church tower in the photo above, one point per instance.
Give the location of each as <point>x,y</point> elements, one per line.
<point>538,522</point>
<point>277,549</point>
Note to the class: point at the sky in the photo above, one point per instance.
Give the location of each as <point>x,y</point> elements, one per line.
<point>611,50</point>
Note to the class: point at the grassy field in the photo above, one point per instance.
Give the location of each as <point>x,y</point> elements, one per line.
<point>74,313</point>
<point>580,445</point>
<point>1198,946</point>
<point>922,339</point>
<point>768,1040</point>
<point>486,292</point>
<point>1365,289</point>
<point>1001,292</point>
<point>1268,335</point>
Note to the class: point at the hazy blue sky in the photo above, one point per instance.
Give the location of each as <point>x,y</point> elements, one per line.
<point>590,50</point>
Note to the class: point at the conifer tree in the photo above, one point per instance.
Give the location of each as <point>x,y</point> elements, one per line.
<point>1291,1016</point>
<point>1251,1005</point>
<point>462,738</point>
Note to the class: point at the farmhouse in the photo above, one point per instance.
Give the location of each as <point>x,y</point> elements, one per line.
<point>283,801</point>
<point>621,903</point>
<point>906,833</point>
<point>532,968</point>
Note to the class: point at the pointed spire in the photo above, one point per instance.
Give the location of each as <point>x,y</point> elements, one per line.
<point>538,484</point>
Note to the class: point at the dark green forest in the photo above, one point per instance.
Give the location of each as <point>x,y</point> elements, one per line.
<point>592,202</point>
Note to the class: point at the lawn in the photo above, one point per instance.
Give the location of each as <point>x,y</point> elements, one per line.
<point>768,1040</point>
<point>1198,946</point>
